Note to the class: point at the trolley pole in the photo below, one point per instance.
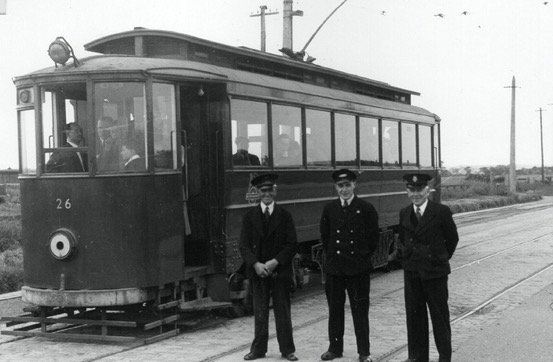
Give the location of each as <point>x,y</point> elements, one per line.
<point>262,14</point>
<point>541,138</point>
<point>512,168</point>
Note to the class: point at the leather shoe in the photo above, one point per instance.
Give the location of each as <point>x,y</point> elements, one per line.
<point>328,356</point>
<point>251,356</point>
<point>290,356</point>
<point>365,358</point>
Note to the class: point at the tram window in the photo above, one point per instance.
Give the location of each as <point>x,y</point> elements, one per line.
<point>120,117</point>
<point>318,141</point>
<point>165,155</point>
<point>27,144</point>
<point>408,145</point>
<point>64,126</point>
<point>436,146</point>
<point>390,144</point>
<point>425,146</point>
<point>344,130</point>
<point>287,149</point>
<point>249,122</point>
<point>369,141</point>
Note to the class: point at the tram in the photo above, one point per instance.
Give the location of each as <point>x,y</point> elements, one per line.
<point>202,119</point>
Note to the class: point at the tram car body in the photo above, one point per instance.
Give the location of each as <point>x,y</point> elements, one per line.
<point>105,235</point>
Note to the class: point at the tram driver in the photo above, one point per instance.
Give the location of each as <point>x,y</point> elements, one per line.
<point>69,161</point>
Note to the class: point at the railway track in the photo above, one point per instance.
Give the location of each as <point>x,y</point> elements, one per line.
<point>494,252</point>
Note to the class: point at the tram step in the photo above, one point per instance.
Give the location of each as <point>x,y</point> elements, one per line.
<point>202,305</point>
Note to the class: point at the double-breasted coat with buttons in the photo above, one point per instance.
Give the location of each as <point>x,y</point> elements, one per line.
<point>428,246</point>
<point>349,237</point>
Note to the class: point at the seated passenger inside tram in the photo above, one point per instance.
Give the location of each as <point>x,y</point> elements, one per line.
<point>131,160</point>
<point>65,162</point>
<point>242,157</point>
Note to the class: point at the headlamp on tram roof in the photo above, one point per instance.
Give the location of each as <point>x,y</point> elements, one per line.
<point>62,244</point>
<point>60,51</point>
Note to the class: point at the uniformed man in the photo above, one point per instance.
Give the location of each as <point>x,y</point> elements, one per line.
<point>349,234</point>
<point>428,237</point>
<point>268,242</point>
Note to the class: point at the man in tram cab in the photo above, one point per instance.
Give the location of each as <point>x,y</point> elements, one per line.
<point>108,147</point>
<point>60,162</point>
<point>242,157</point>
<point>349,235</point>
<point>428,238</point>
<point>268,243</point>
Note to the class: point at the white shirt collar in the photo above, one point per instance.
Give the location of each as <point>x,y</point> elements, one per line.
<point>422,207</point>
<point>347,200</point>
<point>132,158</point>
<point>271,207</point>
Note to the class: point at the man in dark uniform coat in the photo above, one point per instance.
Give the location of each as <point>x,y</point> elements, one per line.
<point>427,242</point>
<point>69,161</point>
<point>268,242</point>
<point>350,235</point>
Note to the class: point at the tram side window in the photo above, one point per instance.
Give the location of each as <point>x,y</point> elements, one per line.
<point>390,144</point>
<point>369,142</point>
<point>27,142</point>
<point>437,145</point>
<point>120,119</point>
<point>425,146</point>
<point>345,142</point>
<point>250,145</point>
<point>64,125</point>
<point>318,140</point>
<point>165,152</point>
<point>408,145</point>
<point>287,149</point>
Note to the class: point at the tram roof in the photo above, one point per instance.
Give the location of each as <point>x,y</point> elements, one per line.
<point>201,72</point>
<point>167,44</point>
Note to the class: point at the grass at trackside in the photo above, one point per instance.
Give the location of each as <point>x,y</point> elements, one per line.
<point>476,196</point>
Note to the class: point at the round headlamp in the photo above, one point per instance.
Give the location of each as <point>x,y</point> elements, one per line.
<point>63,244</point>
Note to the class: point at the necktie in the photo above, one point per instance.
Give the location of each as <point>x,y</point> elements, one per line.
<point>418,213</point>
<point>344,205</point>
<point>267,213</point>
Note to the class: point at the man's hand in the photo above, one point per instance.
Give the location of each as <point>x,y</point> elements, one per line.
<point>261,269</point>
<point>271,265</point>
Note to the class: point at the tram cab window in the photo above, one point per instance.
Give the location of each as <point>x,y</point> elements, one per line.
<point>369,142</point>
<point>318,139</point>
<point>64,125</point>
<point>27,141</point>
<point>120,117</point>
<point>390,144</point>
<point>250,147</point>
<point>287,149</point>
<point>425,146</point>
<point>408,145</point>
<point>345,141</point>
<point>165,152</point>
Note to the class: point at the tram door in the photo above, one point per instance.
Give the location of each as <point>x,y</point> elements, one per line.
<point>200,124</point>
<point>193,116</point>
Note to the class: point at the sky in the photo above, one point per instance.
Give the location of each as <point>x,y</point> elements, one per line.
<point>462,63</point>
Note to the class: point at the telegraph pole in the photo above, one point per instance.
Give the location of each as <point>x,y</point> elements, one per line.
<point>287,14</point>
<point>262,14</point>
<point>512,168</point>
<point>541,137</point>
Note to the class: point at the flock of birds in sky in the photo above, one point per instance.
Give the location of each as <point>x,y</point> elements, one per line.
<point>442,15</point>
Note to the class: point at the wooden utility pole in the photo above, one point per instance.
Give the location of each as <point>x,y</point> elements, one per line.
<point>541,138</point>
<point>512,168</point>
<point>262,14</point>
